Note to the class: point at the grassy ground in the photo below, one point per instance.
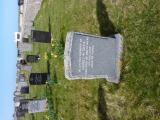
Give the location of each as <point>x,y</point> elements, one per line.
<point>137,97</point>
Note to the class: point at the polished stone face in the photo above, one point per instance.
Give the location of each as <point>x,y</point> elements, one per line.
<point>88,57</point>
<point>24,90</point>
<point>38,78</point>
<point>41,36</point>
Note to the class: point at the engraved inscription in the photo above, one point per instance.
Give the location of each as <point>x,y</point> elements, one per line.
<point>86,55</point>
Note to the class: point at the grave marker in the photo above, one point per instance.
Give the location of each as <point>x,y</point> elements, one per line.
<point>21,108</point>
<point>89,57</point>
<point>26,68</point>
<point>32,58</point>
<point>38,78</point>
<point>41,36</point>
<point>36,106</point>
<point>24,90</point>
<point>21,77</point>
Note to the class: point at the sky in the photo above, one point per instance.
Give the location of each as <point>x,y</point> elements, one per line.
<point>8,25</point>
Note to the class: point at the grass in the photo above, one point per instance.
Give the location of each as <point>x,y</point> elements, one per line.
<point>137,97</point>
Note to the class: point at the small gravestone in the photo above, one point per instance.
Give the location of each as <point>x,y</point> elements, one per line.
<point>21,77</point>
<point>90,57</point>
<point>23,62</point>
<point>18,53</point>
<point>24,90</point>
<point>36,106</point>
<point>17,98</point>
<point>19,113</point>
<point>26,68</point>
<point>19,86</point>
<point>32,58</point>
<point>38,78</point>
<point>23,47</point>
<point>41,36</point>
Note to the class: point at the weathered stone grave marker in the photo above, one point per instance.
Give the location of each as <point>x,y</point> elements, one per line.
<point>36,106</point>
<point>23,47</point>
<point>26,68</point>
<point>30,106</point>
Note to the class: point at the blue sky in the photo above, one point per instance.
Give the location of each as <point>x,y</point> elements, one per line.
<point>8,25</point>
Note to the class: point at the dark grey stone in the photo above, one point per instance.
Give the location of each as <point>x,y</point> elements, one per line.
<point>38,78</point>
<point>89,57</point>
<point>24,47</point>
<point>41,36</point>
<point>24,90</point>
<point>32,58</point>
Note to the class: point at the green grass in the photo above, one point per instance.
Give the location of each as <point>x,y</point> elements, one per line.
<point>137,97</point>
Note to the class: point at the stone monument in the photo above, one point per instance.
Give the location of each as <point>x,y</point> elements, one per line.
<point>90,57</point>
<point>41,36</point>
<point>38,78</point>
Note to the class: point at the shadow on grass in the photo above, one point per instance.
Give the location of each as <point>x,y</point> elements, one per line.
<point>32,117</point>
<point>51,106</point>
<point>62,43</point>
<point>106,27</point>
<point>102,113</point>
<point>49,25</point>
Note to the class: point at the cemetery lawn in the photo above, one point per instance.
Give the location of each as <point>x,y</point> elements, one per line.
<point>137,97</point>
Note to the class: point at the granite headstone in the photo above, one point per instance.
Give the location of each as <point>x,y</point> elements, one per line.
<point>32,58</point>
<point>38,78</point>
<point>41,36</point>
<point>89,57</point>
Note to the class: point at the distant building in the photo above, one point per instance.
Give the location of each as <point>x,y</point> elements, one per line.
<point>30,10</point>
